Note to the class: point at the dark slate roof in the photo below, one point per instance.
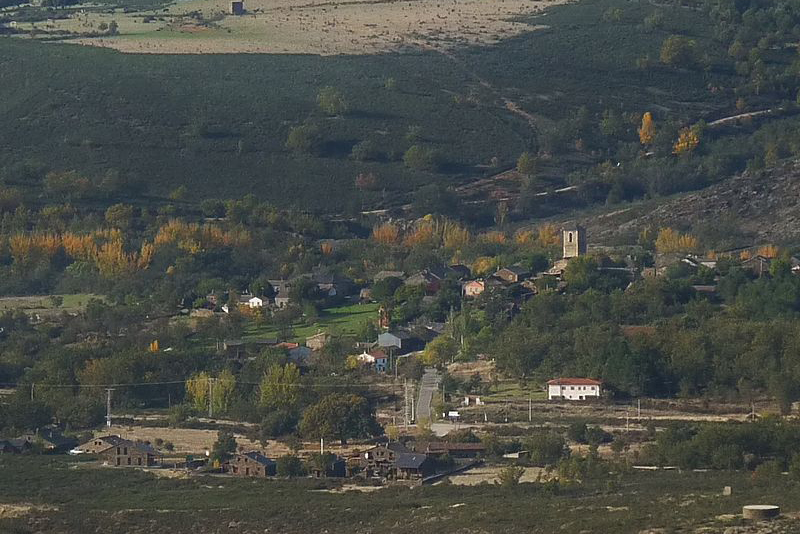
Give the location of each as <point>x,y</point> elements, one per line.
<point>407,460</point>
<point>397,447</point>
<point>111,439</point>
<point>258,457</point>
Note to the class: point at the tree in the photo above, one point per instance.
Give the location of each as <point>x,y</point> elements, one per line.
<point>290,466</point>
<point>647,131</point>
<point>222,391</point>
<point>688,140</point>
<point>304,138</point>
<point>224,447</point>
<point>331,101</point>
<point>421,158</point>
<point>442,350</point>
<point>669,240</point>
<point>340,416</point>
<point>280,387</point>
<point>197,391</point>
<point>527,164</point>
<point>678,51</point>
<point>119,216</point>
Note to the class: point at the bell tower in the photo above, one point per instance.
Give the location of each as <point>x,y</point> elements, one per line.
<point>573,241</point>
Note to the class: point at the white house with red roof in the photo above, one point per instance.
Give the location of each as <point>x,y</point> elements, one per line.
<point>376,357</point>
<point>574,389</point>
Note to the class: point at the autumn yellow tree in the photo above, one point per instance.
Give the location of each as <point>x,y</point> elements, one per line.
<point>647,131</point>
<point>197,390</point>
<point>222,391</point>
<point>688,140</point>
<point>549,235</point>
<point>386,234</point>
<point>670,240</point>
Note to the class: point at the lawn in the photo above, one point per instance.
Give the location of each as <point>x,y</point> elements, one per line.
<point>344,320</point>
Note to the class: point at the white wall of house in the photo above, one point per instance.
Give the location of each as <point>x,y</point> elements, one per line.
<point>255,302</point>
<point>570,392</point>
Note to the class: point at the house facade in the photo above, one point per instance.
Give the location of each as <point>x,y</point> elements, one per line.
<point>251,464</point>
<point>574,389</point>
<point>376,357</point>
<point>130,454</point>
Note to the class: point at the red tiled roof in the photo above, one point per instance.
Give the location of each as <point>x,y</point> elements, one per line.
<point>378,353</point>
<point>574,382</point>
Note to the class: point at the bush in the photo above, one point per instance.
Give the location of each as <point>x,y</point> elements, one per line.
<point>511,475</point>
<point>546,448</point>
<point>421,158</point>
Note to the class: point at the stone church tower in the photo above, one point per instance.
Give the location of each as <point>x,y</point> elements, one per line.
<point>574,241</point>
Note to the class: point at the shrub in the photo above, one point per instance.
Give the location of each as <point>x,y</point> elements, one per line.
<point>511,475</point>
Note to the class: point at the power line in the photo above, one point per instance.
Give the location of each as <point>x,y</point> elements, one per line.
<point>174,382</point>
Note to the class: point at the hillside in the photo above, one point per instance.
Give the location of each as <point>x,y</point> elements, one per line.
<point>749,208</point>
<point>218,124</point>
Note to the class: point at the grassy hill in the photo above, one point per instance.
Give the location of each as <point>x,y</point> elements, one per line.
<point>218,124</point>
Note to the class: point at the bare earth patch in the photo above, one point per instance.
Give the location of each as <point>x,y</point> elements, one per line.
<point>8,511</point>
<point>317,27</point>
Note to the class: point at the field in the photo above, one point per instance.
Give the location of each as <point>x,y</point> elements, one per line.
<point>344,320</point>
<point>288,26</point>
<point>61,496</point>
<point>48,305</point>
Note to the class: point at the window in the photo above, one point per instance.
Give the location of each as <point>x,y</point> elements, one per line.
<point>126,451</point>
<point>129,460</point>
<point>570,237</point>
<point>118,449</point>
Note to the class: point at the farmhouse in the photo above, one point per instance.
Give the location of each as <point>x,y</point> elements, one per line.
<point>251,464</point>
<point>49,438</point>
<point>255,302</point>
<point>474,288</point>
<point>96,445</point>
<point>573,389</point>
<point>130,453</point>
<point>512,275</point>
<point>413,466</point>
<point>376,357</point>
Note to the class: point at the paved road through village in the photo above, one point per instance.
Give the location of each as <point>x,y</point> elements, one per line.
<point>428,384</point>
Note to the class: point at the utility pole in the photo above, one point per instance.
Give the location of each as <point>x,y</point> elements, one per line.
<point>210,397</point>
<point>530,409</point>
<point>33,386</point>
<point>108,406</point>
<point>639,408</point>
<point>408,403</point>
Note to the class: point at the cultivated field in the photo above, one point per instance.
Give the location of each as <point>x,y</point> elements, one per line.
<point>299,27</point>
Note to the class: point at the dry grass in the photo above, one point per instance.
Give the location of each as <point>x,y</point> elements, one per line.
<point>324,28</point>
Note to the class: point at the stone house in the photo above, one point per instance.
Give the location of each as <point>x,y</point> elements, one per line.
<point>128,453</point>
<point>251,464</point>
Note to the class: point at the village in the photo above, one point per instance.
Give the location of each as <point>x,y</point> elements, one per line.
<point>429,434</point>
